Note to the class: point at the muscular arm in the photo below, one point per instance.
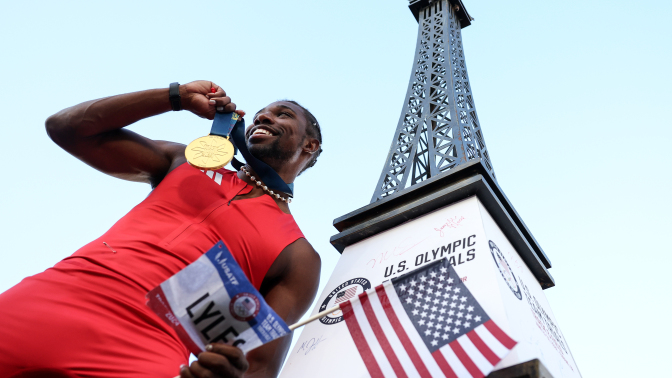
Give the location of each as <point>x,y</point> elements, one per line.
<point>289,287</point>
<point>94,132</point>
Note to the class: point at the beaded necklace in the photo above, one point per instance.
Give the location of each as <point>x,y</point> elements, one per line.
<point>264,187</point>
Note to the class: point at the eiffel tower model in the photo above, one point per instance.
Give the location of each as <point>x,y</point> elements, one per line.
<point>438,143</point>
<point>438,129</point>
<point>436,194</point>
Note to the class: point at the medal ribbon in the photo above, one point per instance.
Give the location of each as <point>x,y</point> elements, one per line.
<point>223,123</point>
<point>226,124</point>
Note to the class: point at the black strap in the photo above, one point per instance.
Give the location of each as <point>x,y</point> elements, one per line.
<point>174,96</point>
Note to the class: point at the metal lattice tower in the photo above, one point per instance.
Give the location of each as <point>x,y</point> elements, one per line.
<point>438,128</point>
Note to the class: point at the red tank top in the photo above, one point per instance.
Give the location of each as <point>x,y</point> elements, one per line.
<point>87,314</point>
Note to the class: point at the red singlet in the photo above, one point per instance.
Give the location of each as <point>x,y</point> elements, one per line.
<point>87,314</point>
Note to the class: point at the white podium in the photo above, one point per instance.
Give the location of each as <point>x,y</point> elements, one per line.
<point>466,218</point>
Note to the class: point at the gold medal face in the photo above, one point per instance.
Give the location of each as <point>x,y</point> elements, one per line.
<point>209,152</point>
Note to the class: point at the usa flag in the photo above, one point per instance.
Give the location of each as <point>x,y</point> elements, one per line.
<point>425,324</point>
<point>345,295</point>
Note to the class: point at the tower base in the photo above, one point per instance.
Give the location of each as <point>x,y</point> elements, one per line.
<point>465,218</point>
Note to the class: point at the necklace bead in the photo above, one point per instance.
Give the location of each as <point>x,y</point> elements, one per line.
<point>264,187</point>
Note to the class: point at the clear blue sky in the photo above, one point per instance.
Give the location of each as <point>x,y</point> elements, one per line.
<point>571,98</point>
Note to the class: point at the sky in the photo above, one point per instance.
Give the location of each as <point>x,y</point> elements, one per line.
<point>571,97</point>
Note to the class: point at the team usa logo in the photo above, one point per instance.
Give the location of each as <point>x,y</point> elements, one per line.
<point>505,270</point>
<point>244,306</point>
<point>342,293</point>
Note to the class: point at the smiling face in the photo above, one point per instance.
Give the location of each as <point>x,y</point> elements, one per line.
<point>277,136</point>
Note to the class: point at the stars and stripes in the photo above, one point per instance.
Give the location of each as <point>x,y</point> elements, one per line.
<point>426,324</point>
<point>345,295</point>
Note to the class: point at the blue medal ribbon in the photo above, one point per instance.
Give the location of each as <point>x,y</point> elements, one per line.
<point>226,124</point>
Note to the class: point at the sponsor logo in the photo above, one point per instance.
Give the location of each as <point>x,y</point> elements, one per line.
<point>505,270</point>
<point>244,306</point>
<point>214,175</point>
<point>343,292</point>
<point>224,265</point>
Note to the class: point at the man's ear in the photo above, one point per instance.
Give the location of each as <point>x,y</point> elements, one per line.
<point>311,145</point>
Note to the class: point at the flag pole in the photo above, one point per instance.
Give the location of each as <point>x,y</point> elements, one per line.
<point>313,318</point>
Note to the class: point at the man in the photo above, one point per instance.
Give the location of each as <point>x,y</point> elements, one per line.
<point>86,316</point>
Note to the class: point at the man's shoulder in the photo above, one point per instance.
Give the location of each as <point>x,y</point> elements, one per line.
<point>297,263</point>
<point>302,247</point>
<point>300,252</point>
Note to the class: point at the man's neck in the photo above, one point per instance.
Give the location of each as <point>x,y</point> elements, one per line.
<point>284,170</point>
<point>257,191</point>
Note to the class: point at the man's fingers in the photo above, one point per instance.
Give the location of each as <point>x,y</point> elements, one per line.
<point>233,354</point>
<point>219,93</point>
<point>220,101</point>
<point>185,373</point>
<point>226,109</point>
<point>220,360</point>
<point>223,105</point>
<point>215,90</point>
<point>198,371</point>
<point>218,364</point>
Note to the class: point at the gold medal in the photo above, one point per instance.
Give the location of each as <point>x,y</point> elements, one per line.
<point>210,152</point>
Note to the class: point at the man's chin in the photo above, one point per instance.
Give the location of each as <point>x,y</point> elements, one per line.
<point>258,151</point>
<point>270,154</point>
<point>264,153</point>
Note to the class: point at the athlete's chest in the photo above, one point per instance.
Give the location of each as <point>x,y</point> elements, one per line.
<point>190,191</point>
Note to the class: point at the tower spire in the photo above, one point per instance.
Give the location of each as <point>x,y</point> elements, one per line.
<point>438,128</point>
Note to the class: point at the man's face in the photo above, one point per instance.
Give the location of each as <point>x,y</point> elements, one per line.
<point>277,133</point>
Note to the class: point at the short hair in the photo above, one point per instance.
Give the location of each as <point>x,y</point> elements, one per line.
<point>313,130</point>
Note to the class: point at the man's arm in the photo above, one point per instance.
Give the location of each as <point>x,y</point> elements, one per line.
<point>289,288</point>
<point>290,295</point>
<point>94,132</point>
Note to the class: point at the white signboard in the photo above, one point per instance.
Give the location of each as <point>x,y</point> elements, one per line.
<point>491,269</point>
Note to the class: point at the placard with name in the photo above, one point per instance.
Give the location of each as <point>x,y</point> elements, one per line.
<point>211,300</point>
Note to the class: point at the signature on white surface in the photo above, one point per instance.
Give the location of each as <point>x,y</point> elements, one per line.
<point>406,245</point>
<point>453,222</point>
<point>310,345</point>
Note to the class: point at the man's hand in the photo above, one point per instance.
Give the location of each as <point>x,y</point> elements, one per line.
<point>218,361</point>
<point>198,98</point>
